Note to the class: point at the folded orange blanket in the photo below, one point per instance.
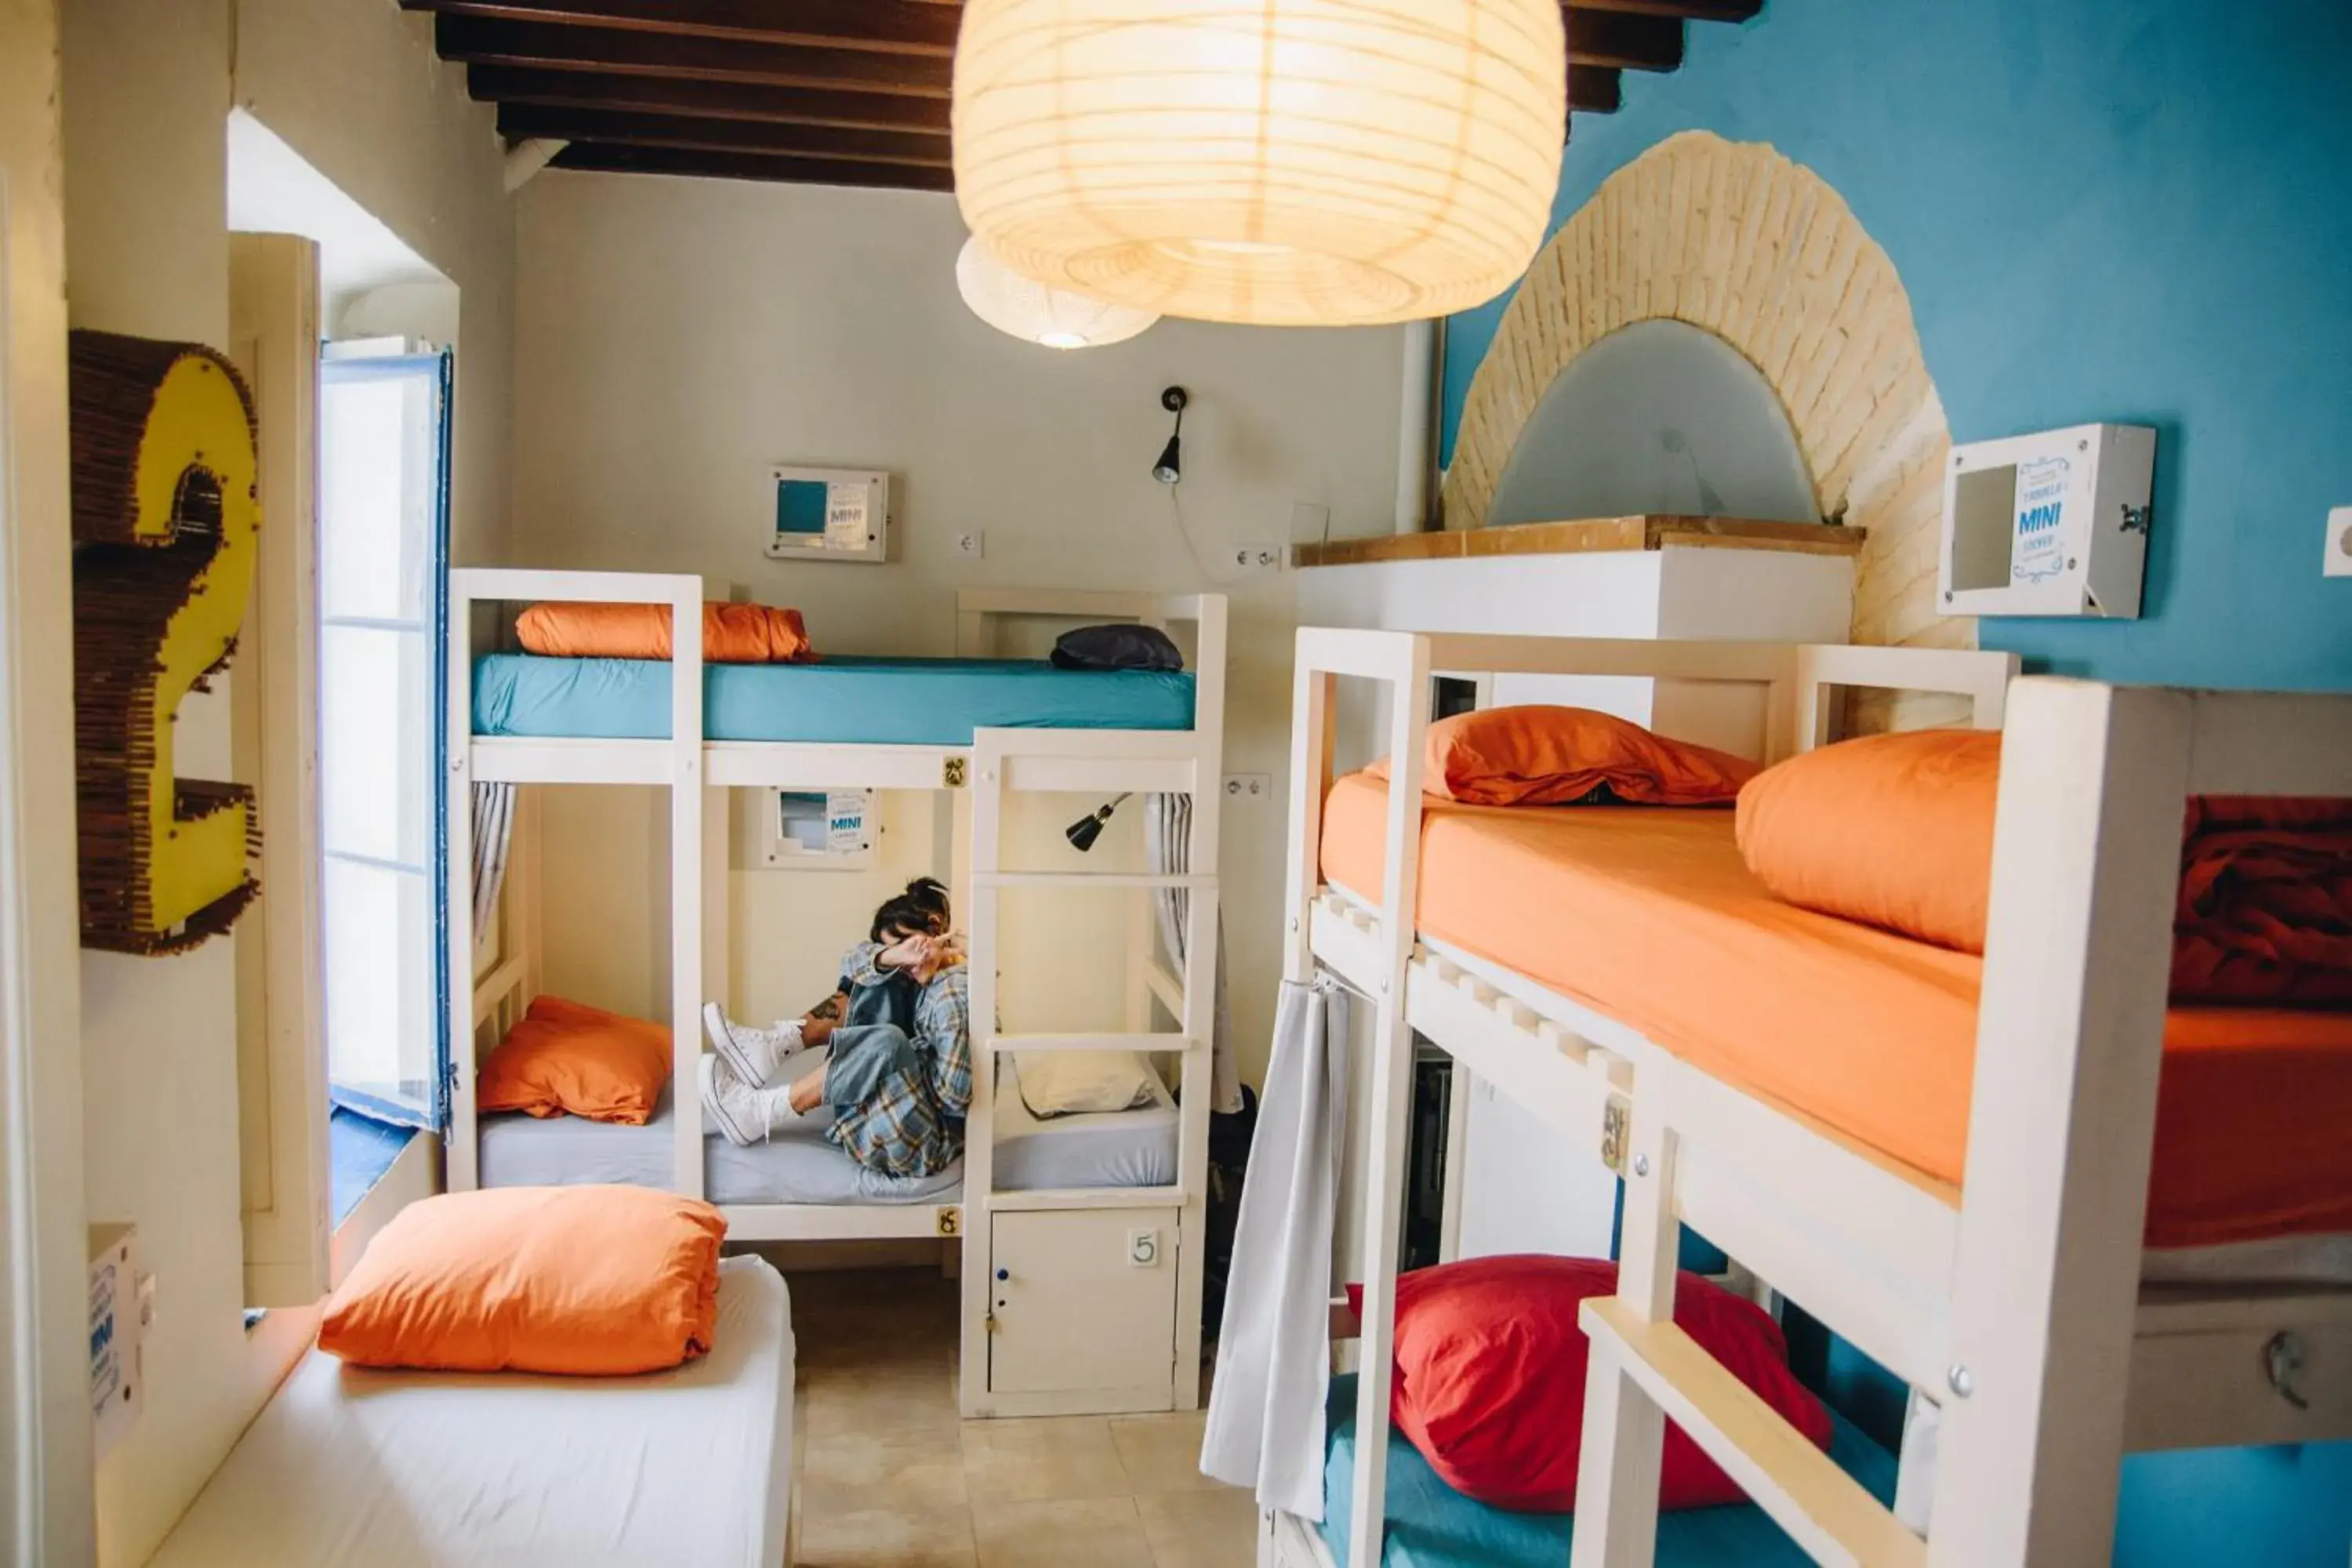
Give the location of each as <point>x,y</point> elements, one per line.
<point>731,634</point>
<point>1896,831</point>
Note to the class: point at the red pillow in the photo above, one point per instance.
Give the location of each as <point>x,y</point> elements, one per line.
<point>1490,1377</point>
<point>1539,754</point>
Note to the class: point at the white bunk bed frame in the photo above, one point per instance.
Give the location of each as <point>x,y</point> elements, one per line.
<point>2018,1307</point>
<point>690,766</point>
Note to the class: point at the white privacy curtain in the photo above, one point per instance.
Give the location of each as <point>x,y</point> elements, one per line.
<point>1167,833</point>
<point>1274,1352</point>
<point>493,833</point>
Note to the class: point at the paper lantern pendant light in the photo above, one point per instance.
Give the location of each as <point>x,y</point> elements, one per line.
<point>1056,318</point>
<point>1280,161</point>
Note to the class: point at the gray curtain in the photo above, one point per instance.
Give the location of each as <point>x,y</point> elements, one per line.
<point>1265,1426</point>
<point>494,806</point>
<point>1168,835</point>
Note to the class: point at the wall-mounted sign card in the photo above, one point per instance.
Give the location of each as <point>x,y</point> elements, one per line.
<point>828,514</point>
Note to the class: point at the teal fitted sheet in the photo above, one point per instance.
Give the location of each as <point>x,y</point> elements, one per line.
<point>1430,1525</point>
<point>867,702</point>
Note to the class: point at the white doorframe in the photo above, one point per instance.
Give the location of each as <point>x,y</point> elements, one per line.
<point>45,1503</point>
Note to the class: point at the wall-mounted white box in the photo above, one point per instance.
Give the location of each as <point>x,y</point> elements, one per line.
<point>2048,524</point>
<point>118,1387</point>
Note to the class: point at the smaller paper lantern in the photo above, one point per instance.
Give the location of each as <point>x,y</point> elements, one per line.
<point>1056,318</point>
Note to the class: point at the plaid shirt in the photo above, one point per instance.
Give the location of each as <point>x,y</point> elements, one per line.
<point>914,1126</point>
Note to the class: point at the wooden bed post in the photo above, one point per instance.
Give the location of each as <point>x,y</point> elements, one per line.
<point>2069,1024</point>
<point>1203,955</point>
<point>1384,1155</point>
<point>1624,1430</point>
<point>687,853</point>
<point>461,1170</point>
<point>1311,717</point>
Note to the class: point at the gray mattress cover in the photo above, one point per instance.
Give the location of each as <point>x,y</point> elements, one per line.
<point>1119,1149</point>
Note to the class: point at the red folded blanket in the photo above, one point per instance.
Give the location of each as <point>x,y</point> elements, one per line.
<point>2265,915</point>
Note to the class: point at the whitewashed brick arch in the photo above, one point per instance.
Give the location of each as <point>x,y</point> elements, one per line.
<point>1736,239</point>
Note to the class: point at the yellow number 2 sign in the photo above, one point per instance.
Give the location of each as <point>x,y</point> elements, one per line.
<point>166,535</point>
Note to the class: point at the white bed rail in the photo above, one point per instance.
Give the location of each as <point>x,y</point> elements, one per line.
<point>1799,682</point>
<point>682,773</point>
<point>974,775</point>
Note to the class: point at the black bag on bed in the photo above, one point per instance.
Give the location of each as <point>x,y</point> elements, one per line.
<point>1124,646</point>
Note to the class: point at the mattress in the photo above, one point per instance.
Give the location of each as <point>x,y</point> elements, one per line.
<point>1114,1149</point>
<point>1648,915</point>
<point>348,1468</point>
<point>1430,1525</point>
<point>871,701</point>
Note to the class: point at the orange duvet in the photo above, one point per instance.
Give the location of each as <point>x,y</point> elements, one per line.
<point>1649,915</point>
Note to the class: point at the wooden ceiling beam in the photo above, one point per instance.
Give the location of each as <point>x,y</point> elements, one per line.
<point>707,99</point>
<point>1684,10</point>
<point>523,123</point>
<point>482,40</point>
<point>628,160</point>
<point>1594,89</point>
<point>1625,39</point>
<point>885,27</point>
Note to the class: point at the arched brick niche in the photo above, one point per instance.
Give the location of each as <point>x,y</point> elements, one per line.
<point>1735,238</point>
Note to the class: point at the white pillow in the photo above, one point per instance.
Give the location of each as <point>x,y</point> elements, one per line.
<point>1069,1083</point>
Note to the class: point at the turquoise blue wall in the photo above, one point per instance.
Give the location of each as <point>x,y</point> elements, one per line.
<point>2104,210</point>
<point>2129,210</point>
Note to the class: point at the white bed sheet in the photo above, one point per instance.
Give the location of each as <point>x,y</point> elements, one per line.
<point>1111,1149</point>
<point>348,1468</point>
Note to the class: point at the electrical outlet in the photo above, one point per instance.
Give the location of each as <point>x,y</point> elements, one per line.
<point>971,543</point>
<point>1143,1248</point>
<point>1260,557</point>
<point>2339,542</point>
<point>1248,786</point>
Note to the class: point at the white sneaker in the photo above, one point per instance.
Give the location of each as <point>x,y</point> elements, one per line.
<point>754,1054</point>
<point>743,1115</point>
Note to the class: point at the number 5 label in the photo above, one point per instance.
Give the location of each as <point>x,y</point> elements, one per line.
<point>166,529</point>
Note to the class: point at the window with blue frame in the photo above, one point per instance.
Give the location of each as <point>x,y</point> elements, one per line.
<point>383,522</point>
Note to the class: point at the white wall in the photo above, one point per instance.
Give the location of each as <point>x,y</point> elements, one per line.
<point>353,87</point>
<point>44,1430</point>
<point>675,338</point>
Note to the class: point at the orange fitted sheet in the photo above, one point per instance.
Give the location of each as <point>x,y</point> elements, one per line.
<point>1648,915</point>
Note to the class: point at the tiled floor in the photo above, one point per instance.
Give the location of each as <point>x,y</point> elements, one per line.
<point>893,1479</point>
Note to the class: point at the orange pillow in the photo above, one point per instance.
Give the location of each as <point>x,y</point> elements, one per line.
<point>1538,755</point>
<point>566,1058</point>
<point>1892,830</point>
<point>731,634</point>
<point>592,1281</point>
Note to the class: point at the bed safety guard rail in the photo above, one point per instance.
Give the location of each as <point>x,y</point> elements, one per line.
<point>2014,1305</point>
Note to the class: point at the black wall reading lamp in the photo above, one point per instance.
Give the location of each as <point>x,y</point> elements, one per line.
<point>1083,833</point>
<point>1169,467</point>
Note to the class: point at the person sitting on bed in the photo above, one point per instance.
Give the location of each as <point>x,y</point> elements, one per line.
<point>898,1091</point>
<point>921,908</point>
